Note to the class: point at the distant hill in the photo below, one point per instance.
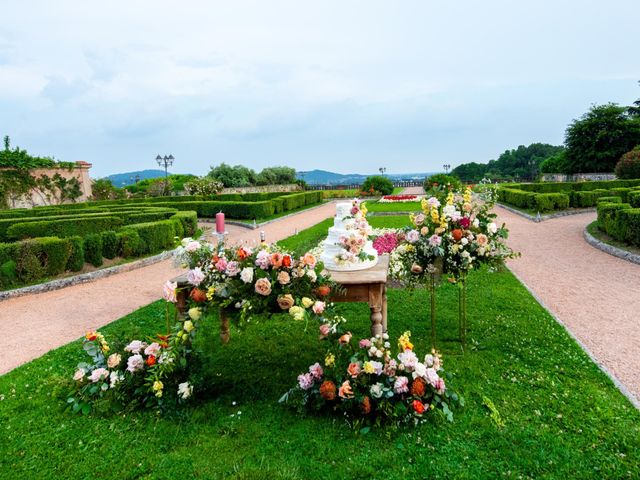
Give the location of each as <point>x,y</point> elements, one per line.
<point>129,178</point>
<point>322,177</point>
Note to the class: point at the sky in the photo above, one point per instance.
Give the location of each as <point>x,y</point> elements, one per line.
<point>345,86</point>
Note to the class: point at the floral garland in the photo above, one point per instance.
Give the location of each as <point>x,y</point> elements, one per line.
<point>369,385</point>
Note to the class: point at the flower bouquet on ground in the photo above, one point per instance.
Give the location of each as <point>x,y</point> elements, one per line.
<point>248,281</point>
<point>366,383</point>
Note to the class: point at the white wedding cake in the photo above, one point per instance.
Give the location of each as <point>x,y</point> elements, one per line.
<point>347,247</point>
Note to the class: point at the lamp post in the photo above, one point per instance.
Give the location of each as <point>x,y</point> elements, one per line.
<point>165,161</point>
<point>446,167</point>
<point>382,170</point>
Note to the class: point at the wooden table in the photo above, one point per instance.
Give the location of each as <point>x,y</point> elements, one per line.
<point>368,286</point>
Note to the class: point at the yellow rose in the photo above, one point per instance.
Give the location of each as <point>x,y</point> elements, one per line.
<point>195,313</point>
<point>297,312</point>
<point>329,360</point>
<point>368,368</point>
<point>188,326</point>
<point>307,302</point>
<point>157,388</point>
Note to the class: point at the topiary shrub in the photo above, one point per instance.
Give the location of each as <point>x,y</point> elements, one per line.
<point>189,221</point>
<point>628,166</point>
<point>109,244</point>
<point>545,202</point>
<point>76,257</point>
<point>378,184</point>
<point>53,253</point>
<point>129,243</point>
<point>155,236</point>
<point>441,181</point>
<point>634,198</point>
<point>93,249</point>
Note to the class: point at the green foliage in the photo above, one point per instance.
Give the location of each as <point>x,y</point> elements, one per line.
<point>442,181</point>
<point>276,176</point>
<point>189,221</point>
<point>155,236</point>
<point>129,243</point>
<point>31,260</point>
<point>65,227</point>
<point>634,198</point>
<point>518,198</point>
<point>20,159</point>
<point>76,257</point>
<point>109,244</point>
<point>545,202</point>
<point>622,192</point>
<point>378,184</point>
<point>522,162</point>
<point>103,189</point>
<point>555,164</point>
<point>156,186</point>
<point>93,249</point>
<point>236,176</point>
<point>597,140</point>
<point>629,165</point>
<point>204,186</point>
<point>588,198</point>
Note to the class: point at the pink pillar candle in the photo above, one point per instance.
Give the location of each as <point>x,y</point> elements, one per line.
<point>220,222</point>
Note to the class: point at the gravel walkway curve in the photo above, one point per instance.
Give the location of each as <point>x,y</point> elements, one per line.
<point>34,324</point>
<point>596,295</point>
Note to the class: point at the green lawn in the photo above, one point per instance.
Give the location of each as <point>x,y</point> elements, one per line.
<point>561,417</point>
<point>393,207</point>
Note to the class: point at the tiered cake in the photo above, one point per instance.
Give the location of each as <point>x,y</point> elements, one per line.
<point>345,225</point>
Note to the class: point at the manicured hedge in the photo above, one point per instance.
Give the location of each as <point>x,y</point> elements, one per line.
<point>609,220</point>
<point>518,198</point>
<point>34,259</point>
<point>93,249</point>
<point>64,228</point>
<point>609,200</point>
<point>238,210</point>
<point>587,198</point>
<point>545,202</point>
<point>155,236</point>
<point>622,192</point>
<point>634,198</point>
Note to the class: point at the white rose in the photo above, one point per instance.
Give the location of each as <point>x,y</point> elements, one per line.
<point>492,228</point>
<point>376,390</point>
<point>312,275</point>
<point>247,275</point>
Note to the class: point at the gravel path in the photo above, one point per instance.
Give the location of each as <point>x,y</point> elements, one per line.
<point>34,324</point>
<point>596,295</point>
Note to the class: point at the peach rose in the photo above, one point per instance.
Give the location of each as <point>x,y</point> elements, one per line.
<point>345,339</point>
<point>276,260</point>
<point>285,302</point>
<point>415,268</point>
<point>482,239</point>
<point>354,369</point>
<point>263,286</point>
<point>309,260</point>
<point>283,277</point>
<point>345,390</point>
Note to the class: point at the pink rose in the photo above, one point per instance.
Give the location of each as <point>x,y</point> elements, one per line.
<point>325,330</point>
<point>435,240</point>
<point>263,286</point>
<point>364,343</point>
<point>401,385</point>
<point>195,276</point>
<point>305,381</point>
<point>316,371</point>
<point>262,260</point>
<point>192,246</point>
<point>318,307</point>
<point>232,269</point>
<point>221,264</point>
<point>169,291</point>
<point>283,277</point>
<point>482,239</point>
<point>413,236</point>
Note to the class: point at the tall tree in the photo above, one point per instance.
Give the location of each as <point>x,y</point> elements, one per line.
<point>596,141</point>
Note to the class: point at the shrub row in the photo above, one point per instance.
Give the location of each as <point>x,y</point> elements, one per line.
<point>620,221</point>
<point>552,187</point>
<point>27,261</point>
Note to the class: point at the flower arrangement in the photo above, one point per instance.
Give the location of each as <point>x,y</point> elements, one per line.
<point>370,385</point>
<point>386,243</point>
<point>153,373</point>
<point>353,244</point>
<point>398,198</point>
<point>261,280</point>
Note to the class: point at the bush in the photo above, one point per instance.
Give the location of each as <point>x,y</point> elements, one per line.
<point>234,210</point>
<point>587,199</point>
<point>621,192</point>
<point>607,218</point>
<point>155,236</point>
<point>609,200</point>
<point>31,260</point>
<point>93,249</point>
<point>628,226</point>
<point>545,202</point>
<point>189,221</point>
<point>440,181</point>
<point>109,244</point>
<point>379,184</point>
<point>53,252</point>
<point>629,165</point>
<point>634,198</point>
<point>63,228</point>
<point>518,198</point>
<point>76,257</point>
<point>129,243</point>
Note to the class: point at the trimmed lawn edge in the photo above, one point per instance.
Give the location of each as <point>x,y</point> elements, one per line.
<point>619,385</point>
<point>84,277</point>
<point>609,248</point>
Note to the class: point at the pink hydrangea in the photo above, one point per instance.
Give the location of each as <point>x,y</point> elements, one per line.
<point>153,349</point>
<point>135,363</point>
<point>386,243</point>
<point>435,240</point>
<point>401,385</point>
<point>221,264</point>
<point>192,246</point>
<point>136,346</point>
<point>316,371</point>
<point>305,381</point>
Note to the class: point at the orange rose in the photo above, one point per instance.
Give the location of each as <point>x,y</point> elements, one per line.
<point>286,261</point>
<point>418,387</point>
<point>418,407</point>
<point>324,290</point>
<point>276,260</point>
<point>353,369</point>
<point>91,336</point>
<point>242,253</point>
<point>151,360</point>
<point>456,233</point>
<point>344,339</point>
<point>345,390</point>
<point>198,295</point>
<point>328,390</point>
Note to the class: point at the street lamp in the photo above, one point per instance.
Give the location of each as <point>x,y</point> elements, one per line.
<point>382,170</point>
<point>446,167</point>
<point>166,162</point>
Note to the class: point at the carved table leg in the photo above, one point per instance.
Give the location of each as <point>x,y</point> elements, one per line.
<point>376,305</point>
<point>181,301</point>
<point>384,308</point>
<point>224,327</point>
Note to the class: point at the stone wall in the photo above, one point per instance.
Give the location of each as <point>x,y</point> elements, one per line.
<point>577,177</point>
<point>263,188</point>
<point>36,198</point>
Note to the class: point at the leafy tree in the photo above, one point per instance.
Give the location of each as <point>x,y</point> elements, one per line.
<point>276,176</point>
<point>103,189</point>
<point>629,165</point>
<point>555,164</point>
<point>379,184</point>
<point>233,176</point>
<point>600,137</point>
<point>470,172</point>
<point>442,181</point>
<point>203,186</point>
